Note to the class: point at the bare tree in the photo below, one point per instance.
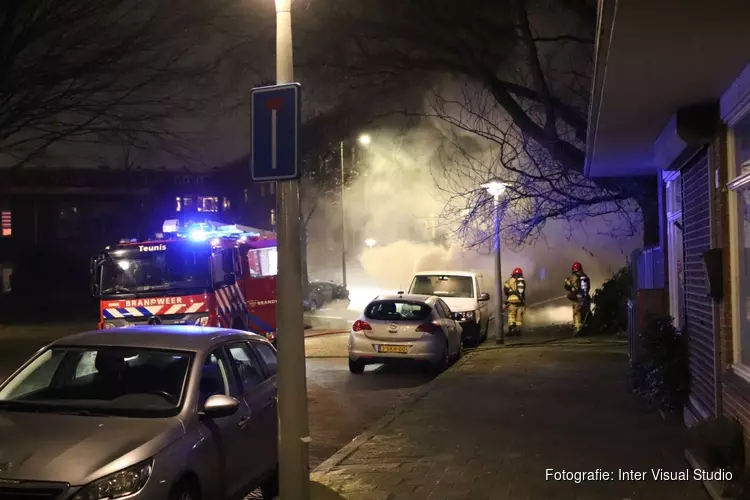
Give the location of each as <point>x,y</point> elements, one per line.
<point>523,68</point>
<point>79,72</point>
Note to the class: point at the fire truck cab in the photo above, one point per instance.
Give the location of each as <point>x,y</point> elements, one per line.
<point>206,274</point>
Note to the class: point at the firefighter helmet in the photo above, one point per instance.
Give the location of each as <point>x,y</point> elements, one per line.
<point>577,267</point>
<point>517,272</point>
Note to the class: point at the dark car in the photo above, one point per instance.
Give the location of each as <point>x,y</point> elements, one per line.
<point>320,293</point>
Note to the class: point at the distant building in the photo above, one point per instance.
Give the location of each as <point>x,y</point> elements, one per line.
<point>73,213</point>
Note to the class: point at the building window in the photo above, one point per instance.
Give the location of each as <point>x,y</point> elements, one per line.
<point>247,195</point>
<point>675,246</point>
<point>5,223</point>
<point>187,204</point>
<point>272,188</point>
<point>179,204</point>
<point>226,204</point>
<point>273,217</point>
<point>740,239</point>
<point>208,204</point>
<point>262,189</point>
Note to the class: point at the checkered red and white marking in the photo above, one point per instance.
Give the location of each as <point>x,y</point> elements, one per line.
<point>156,306</point>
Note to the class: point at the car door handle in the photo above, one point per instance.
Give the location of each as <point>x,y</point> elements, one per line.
<point>244,421</point>
<point>272,402</point>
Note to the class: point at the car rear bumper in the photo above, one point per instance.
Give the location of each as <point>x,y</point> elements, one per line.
<point>428,348</point>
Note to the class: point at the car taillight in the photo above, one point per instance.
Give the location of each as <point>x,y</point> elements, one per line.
<point>360,325</point>
<point>431,327</point>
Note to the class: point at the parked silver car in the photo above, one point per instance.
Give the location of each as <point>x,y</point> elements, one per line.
<point>147,413</point>
<point>414,327</point>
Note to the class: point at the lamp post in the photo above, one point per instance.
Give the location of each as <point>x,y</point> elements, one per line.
<point>365,140</point>
<point>496,188</point>
<point>294,435</point>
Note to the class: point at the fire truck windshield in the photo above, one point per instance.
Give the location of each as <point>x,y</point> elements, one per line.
<point>180,266</point>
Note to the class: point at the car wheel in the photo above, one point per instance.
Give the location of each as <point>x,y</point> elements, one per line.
<point>444,362</point>
<point>356,367</point>
<point>313,305</point>
<point>185,490</point>
<point>269,489</point>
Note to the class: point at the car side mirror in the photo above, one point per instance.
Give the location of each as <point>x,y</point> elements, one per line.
<point>484,297</point>
<point>230,279</point>
<point>220,405</point>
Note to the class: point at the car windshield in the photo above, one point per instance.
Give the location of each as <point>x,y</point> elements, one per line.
<point>181,265</point>
<point>397,310</point>
<point>117,381</point>
<point>443,286</point>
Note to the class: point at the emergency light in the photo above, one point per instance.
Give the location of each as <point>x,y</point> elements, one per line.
<point>202,231</point>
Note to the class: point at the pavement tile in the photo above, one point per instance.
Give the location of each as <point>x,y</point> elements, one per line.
<point>489,429</point>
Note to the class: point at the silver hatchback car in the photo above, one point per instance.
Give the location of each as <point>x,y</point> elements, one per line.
<point>144,413</point>
<point>413,327</point>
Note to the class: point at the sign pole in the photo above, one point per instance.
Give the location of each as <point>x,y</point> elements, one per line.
<point>294,439</point>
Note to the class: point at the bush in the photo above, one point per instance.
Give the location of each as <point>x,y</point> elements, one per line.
<point>610,304</point>
<point>663,377</point>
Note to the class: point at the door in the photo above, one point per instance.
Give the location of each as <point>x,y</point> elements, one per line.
<point>258,445</point>
<point>452,328</point>
<point>483,306</point>
<point>222,435</point>
<point>268,395</point>
<point>698,306</point>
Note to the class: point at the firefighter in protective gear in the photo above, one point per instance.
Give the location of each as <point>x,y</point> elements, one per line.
<point>578,287</point>
<point>515,293</point>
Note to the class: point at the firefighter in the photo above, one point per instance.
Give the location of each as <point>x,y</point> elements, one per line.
<point>515,293</point>
<point>578,287</point>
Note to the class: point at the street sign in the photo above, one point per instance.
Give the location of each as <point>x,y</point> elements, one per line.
<point>275,122</point>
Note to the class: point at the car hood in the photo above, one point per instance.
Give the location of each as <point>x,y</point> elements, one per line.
<point>461,304</point>
<point>78,449</point>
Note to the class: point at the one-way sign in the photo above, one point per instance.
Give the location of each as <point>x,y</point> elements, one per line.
<point>275,121</point>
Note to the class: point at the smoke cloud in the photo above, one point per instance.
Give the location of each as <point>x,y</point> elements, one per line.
<point>396,203</point>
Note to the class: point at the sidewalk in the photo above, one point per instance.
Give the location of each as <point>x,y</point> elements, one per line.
<point>490,428</point>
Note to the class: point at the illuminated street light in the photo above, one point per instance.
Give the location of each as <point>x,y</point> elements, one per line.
<point>370,242</point>
<point>364,139</point>
<point>496,188</point>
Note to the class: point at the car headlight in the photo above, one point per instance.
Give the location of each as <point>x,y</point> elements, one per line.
<point>120,484</point>
<point>202,321</point>
<point>465,315</point>
<point>110,325</point>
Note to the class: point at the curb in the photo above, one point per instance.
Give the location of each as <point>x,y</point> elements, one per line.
<point>349,449</point>
<point>320,333</point>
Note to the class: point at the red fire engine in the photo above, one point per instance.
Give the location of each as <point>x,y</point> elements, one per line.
<point>206,274</point>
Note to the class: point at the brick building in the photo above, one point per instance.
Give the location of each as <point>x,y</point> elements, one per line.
<point>671,99</point>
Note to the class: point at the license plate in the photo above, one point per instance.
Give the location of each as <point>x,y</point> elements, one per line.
<point>402,349</point>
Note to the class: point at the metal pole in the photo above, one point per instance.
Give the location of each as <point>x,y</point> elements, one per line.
<point>294,436</point>
<point>499,312</point>
<point>343,222</point>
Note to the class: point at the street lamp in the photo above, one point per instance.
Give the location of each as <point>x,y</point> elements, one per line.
<point>370,242</point>
<point>294,434</point>
<point>496,188</point>
<point>364,139</point>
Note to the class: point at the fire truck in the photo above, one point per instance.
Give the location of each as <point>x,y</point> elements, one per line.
<point>206,274</point>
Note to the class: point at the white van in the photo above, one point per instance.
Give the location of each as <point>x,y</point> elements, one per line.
<point>465,294</point>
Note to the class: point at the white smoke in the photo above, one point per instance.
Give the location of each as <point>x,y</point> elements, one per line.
<point>396,202</point>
